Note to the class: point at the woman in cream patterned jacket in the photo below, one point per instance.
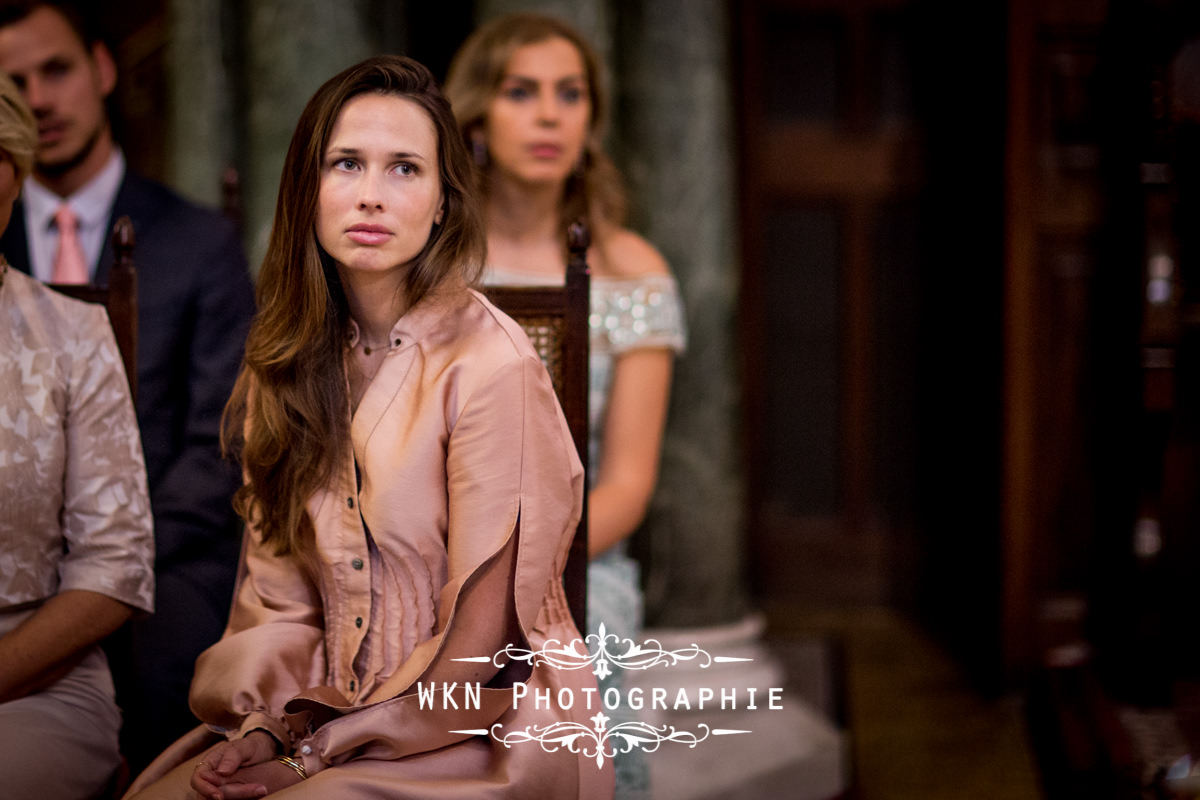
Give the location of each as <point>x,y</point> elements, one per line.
<point>76,543</point>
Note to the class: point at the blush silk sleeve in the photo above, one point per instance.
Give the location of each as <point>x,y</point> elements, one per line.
<point>272,649</point>
<point>515,488</point>
<point>511,463</point>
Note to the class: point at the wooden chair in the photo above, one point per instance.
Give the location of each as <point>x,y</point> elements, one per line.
<point>119,297</point>
<point>556,320</point>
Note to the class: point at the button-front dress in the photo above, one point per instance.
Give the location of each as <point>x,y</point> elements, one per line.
<point>459,457</point>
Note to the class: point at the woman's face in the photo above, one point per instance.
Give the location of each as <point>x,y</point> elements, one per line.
<point>10,187</point>
<point>381,191</point>
<point>537,123</point>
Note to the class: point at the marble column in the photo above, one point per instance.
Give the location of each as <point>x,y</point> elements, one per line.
<point>290,48</point>
<point>675,120</point>
<point>201,138</point>
<point>675,141</point>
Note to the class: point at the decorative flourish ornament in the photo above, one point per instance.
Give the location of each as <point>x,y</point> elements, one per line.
<point>605,654</point>
<point>601,742</point>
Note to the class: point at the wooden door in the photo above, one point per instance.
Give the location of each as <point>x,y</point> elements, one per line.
<point>832,162</point>
<point>872,197</point>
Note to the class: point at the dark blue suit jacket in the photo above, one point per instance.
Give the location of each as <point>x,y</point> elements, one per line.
<point>194,307</point>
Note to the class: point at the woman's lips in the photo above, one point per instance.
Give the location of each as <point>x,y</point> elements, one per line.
<point>545,151</point>
<point>368,234</point>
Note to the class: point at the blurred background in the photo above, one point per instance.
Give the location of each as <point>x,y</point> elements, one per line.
<point>933,447</point>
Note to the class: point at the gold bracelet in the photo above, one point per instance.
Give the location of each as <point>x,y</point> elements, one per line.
<point>295,765</point>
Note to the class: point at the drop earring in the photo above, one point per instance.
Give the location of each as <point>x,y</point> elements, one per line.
<point>479,150</point>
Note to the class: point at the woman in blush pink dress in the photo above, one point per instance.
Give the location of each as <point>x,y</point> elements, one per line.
<point>411,490</point>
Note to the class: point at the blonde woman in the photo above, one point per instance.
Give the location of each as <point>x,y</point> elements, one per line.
<point>530,102</point>
<point>76,543</point>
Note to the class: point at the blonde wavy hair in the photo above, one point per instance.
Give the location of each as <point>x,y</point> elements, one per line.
<point>595,192</point>
<point>18,130</point>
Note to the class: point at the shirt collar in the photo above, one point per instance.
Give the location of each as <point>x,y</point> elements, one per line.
<point>419,320</point>
<point>91,203</point>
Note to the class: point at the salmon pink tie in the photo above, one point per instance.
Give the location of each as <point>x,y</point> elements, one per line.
<point>69,266</point>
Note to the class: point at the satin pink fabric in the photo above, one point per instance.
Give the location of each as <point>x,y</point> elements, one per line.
<point>466,462</point>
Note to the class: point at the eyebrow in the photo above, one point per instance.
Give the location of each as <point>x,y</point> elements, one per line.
<point>56,60</point>
<point>354,151</point>
<point>577,78</point>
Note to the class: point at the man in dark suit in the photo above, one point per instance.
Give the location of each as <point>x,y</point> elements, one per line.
<point>195,303</point>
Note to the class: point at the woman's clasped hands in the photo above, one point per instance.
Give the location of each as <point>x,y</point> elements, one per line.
<point>242,768</point>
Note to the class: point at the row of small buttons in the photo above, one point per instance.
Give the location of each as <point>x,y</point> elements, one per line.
<point>358,562</point>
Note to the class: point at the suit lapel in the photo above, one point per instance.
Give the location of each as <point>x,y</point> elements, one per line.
<point>133,200</point>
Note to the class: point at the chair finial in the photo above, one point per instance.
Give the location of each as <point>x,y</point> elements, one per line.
<point>579,239</point>
<point>123,239</point>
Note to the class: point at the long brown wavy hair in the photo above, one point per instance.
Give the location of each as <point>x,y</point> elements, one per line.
<point>288,418</point>
<point>595,192</point>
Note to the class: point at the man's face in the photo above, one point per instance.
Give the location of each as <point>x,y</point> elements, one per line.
<point>65,84</point>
